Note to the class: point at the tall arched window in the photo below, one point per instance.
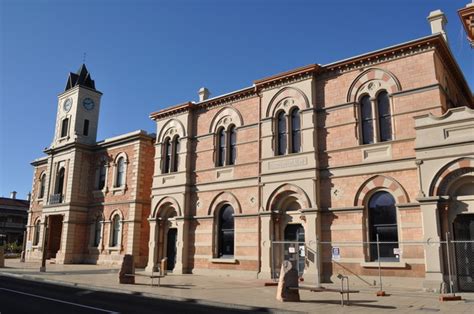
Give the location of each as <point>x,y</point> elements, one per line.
<point>221,147</point>
<point>383,222</point>
<point>115,234</point>
<point>232,145</point>
<point>295,131</point>
<point>120,177</point>
<point>385,119</point>
<point>102,172</point>
<point>281,132</point>
<point>167,156</point>
<point>42,185</point>
<point>175,153</point>
<point>37,232</point>
<point>97,231</point>
<point>367,123</point>
<point>226,232</point>
<point>60,181</point>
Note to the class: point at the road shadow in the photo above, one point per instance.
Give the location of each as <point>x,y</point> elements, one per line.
<point>358,303</point>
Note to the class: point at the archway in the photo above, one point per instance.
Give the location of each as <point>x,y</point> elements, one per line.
<point>456,216</point>
<point>164,234</point>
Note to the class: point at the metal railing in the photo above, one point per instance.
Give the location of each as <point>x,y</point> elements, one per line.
<point>55,198</point>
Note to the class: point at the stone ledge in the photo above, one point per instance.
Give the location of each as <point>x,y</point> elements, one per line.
<point>384,264</point>
<point>223,260</point>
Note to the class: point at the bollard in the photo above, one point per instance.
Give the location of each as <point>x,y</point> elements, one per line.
<point>163,266</point>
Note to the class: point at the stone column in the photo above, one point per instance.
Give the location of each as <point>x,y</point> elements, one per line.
<point>313,260</point>
<point>152,246</point>
<point>431,235</point>
<point>265,245</point>
<point>181,246</point>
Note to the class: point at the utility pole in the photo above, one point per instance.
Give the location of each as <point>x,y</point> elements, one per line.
<point>44,246</point>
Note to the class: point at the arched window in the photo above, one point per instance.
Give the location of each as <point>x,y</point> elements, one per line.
<point>221,147</point>
<point>232,145</point>
<point>102,172</point>
<point>42,185</point>
<point>115,234</point>
<point>281,132</point>
<point>367,123</point>
<point>385,119</point>
<point>37,232</point>
<point>64,127</point>
<point>295,131</point>
<point>60,181</point>
<point>383,222</point>
<point>120,175</point>
<point>167,155</point>
<point>97,231</point>
<point>175,153</point>
<point>226,232</point>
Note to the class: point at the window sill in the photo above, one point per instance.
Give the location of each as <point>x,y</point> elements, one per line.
<point>384,264</point>
<point>119,190</point>
<point>114,248</point>
<point>223,260</point>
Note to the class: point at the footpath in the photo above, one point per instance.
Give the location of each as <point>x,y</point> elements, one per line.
<point>240,293</point>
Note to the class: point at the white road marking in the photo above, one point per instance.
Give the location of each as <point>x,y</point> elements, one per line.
<point>60,301</point>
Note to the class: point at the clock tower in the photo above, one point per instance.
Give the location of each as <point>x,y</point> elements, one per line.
<point>78,110</point>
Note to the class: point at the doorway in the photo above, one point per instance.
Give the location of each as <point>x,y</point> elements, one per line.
<point>172,237</point>
<point>54,238</point>
<point>295,252</point>
<point>464,231</point>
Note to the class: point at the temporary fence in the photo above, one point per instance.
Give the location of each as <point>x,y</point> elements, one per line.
<point>372,262</point>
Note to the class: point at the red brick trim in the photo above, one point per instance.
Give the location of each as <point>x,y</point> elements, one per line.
<point>381,182</point>
<point>301,100</point>
<point>285,190</point>
<point>161,208</point>
<point>446,171</point>
<point>224,198</point>
<point>373,74</point>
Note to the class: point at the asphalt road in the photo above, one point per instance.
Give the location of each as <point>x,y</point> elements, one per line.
<point>24,296</point>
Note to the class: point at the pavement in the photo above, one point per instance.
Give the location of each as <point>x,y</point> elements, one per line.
<point>223,293</point>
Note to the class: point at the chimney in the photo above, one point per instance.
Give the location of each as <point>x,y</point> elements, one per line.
<point>28,196</point>
<point>438,22</point>
<point>203,94</point>
<point>13,195</point>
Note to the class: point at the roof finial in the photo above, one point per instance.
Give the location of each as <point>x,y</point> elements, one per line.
<point>84,58</point>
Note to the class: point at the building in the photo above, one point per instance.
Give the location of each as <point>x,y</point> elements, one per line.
<point>93,196</point>
<point>373,145</point>
<point>13,218</point>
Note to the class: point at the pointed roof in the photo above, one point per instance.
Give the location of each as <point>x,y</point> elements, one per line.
<point>82,78</point>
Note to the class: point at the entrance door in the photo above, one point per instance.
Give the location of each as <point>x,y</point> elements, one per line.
<point>171,248</point>
<point>54,240</point>
<point>464,231</point>
<point>295,252</point>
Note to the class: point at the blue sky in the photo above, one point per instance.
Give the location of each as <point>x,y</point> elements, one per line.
<point>147,55</point>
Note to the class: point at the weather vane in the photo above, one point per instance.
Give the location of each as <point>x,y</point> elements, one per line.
<point>84,58</point>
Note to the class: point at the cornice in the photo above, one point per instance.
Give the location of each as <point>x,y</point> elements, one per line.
<point>287,77</point>
<point>171,111</point>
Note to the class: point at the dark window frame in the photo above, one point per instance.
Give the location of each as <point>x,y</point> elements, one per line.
<point>120,172</point>
<point>226,232</point>
<point>382,219</point>
<point>281,131</point>
<point>65,127</point>
<point>295,121</point>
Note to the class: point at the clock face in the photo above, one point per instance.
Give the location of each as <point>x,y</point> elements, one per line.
<point>67,104</point>
<point>88,104</point>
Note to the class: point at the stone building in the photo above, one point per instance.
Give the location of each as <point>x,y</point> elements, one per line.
<point>93,196</point>
<point>13,217</point>
<point>380,144</point>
